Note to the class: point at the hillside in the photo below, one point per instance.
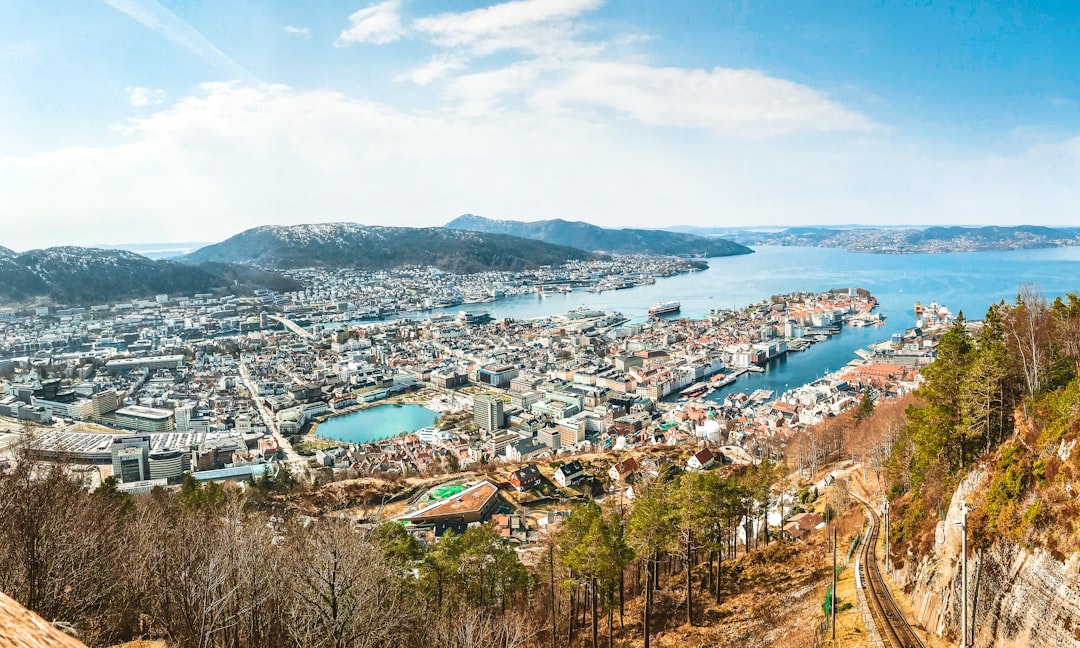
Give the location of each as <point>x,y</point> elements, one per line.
<point>908,240</point>
<point>6,252</point>
<point>77,275</point>
<point>590,237</point>
<point>372,247</point>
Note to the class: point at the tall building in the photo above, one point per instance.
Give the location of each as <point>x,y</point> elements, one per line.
<point>488,411</point>
<point>106,402</point>
<point>131,458</point>
<point>183,417</point>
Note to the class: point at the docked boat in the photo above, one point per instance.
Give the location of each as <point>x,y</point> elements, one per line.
<point>660,308</point>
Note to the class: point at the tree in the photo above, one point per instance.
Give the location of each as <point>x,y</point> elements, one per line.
<point>650,531</point>
<point>865,408</point>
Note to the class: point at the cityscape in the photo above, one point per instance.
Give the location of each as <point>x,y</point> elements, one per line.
<point>539,324</point>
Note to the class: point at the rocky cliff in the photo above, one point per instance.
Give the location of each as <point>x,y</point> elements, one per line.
<point>1019,598</point>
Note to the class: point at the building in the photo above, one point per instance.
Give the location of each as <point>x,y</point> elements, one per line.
<point>570,473</point>
<point>151,363</point>
<point>167,465</point>
<point>525,449</point>
<point>702,460</point>
<point>105,402</point>
<point>131,458</point>
<point>474,504</point>
<point>488,411</point>
<point>624,470</point>
<point>550,436</point>
<point>182,415</point>
<point>799,526</point>
<point>145,419</point>
<point>525,478</point>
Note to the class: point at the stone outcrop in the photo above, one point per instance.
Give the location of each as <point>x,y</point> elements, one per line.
<point>1018,598</point>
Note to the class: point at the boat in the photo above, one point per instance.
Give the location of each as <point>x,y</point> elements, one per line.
<point>918,309</point>
<point>663,307</point>
<point>756,369</point>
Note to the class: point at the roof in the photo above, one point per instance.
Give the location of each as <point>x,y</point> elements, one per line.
<point>472,499</point>
<point>704,456</point>
<point>626,466</point>
<point>527,473</point>
<point>138,411</point>
<point>571,468</point>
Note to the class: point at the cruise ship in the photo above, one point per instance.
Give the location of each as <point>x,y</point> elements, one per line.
<point>665,307</point>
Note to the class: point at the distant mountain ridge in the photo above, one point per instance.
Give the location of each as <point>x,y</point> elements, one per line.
<point>80,276</point>
<point>594,238</point>
<point>907,240</point>
<point>6,252</point>
<point>377,247</point>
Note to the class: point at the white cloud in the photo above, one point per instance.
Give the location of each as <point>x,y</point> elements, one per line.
<point>736,103</point>
<point>234,156</point>
<point>436,68</point>
<point>152,15</point>
<point>141,97</point>
<point>471,26</point>
<point>378,24</point>
<point>299,31</point>
<point>541,27</point>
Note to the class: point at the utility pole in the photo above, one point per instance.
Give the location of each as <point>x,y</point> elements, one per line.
<point>964,576</point>
<point>832,608</point>
<point>888,568</point>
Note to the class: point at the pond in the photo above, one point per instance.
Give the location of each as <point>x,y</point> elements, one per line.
<point>376,423</point>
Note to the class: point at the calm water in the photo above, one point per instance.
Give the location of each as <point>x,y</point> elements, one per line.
<point>967,282</point>
<point>377,423</point>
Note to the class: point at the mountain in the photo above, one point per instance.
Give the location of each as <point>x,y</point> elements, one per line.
<point>911,240</point>
<point>78,275</point>
<point>591,237</point>
<point>372,247</point>
<point>6,252</point>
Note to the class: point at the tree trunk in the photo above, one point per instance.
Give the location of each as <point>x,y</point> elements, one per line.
<point>648,598</point>
<point>592,595</point>
<point>689,576</point>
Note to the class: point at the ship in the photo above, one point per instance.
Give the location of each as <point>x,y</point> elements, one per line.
<point>663,307</point>
<point>918,309</point>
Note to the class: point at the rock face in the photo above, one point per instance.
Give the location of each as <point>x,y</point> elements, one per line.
<point>1017,598</point>
<point>21,628</point>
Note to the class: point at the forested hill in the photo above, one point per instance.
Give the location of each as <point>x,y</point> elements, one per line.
<point>591,237</point>
<point>372,247</point>
<point>1001,397</point>
<point>82,276</point>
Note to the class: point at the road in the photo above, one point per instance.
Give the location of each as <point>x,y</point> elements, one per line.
<point>267,416</point>
<point>294,327</point>
<point>892,627</point>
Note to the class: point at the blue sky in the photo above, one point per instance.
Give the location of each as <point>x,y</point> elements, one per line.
<point>143,121</point>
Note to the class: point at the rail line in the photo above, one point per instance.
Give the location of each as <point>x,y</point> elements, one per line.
<point>887,616</point>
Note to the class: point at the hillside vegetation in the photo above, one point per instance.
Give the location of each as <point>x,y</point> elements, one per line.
<point>591,237</point>
<point>1001,397</point>
<point>376,248</point>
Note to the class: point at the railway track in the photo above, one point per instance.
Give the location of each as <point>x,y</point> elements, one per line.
<point>892,626</point>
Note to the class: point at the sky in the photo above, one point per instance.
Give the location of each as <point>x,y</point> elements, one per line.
<point>139,121</point>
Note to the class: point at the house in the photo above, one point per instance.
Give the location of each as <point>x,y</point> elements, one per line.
<point>570,473</point>
<point>702,460</point>
<point>800,525</point>
<point>525,478</point>
<point>623,470</point>
<point>525,449</point>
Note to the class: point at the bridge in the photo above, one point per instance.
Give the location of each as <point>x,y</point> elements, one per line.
<point>294,327</point>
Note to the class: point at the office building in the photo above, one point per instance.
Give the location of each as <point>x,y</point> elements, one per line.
<point>488,411</point>
<point>131,458</point>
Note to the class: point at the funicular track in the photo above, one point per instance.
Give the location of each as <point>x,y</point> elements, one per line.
<point>891,624</point>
